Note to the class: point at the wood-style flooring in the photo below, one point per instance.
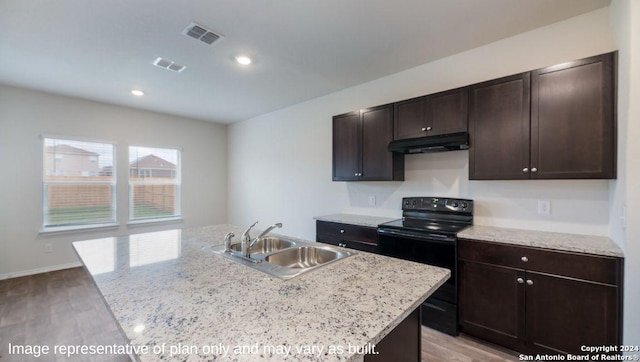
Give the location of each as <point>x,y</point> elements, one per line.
<point>65,308</point>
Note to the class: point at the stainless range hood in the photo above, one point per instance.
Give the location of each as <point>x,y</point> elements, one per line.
<point>439,143</point>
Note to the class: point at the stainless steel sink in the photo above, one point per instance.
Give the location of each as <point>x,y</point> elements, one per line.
<point>266,245</point>
<point>304,257</point>
<point>285,258</point>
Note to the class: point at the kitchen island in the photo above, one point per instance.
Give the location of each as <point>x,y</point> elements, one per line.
<point>181,302</point>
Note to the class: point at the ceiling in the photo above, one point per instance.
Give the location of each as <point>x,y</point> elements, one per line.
<point>301,49</point>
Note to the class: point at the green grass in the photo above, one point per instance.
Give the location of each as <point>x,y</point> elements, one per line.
<point>94,214</point>
<point>143,212</point>
<point>79,215</point>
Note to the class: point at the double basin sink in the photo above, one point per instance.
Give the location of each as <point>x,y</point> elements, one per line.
<point>285,258</point>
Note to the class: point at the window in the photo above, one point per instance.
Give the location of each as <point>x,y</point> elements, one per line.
<point>77,192</point>
<point>154,183</point>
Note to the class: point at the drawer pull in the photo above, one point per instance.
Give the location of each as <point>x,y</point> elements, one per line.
<point>343,245</point>
<point>529,282</point>
<point>524,259</point>
<point>520,280</point>
<point>341,231</point>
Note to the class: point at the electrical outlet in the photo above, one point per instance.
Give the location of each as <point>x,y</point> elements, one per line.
<point>372,200</point>
<point>544,207</point>
<point>48,248</point>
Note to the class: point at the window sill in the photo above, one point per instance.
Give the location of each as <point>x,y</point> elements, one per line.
<point>146,222</point>
<point>78,228</point>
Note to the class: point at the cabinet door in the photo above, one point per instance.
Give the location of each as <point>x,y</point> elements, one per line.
<point>447,112</point>
<point>410,118</point>
<point>572,119</point>
<point>347,155</point>
<point>378,164</point>
<point>491,303</point>
<point>564,314</point>
<point>499,129</point>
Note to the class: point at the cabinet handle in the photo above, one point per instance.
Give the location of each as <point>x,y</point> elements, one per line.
<point>525,170</point>
<point>358,174</point>
<point>520,280</point>
<point>423,129</point>
<point>529,282</point>
<point>342,245</point>
<point>524,259</point>
<point>534,170</point>
<point>428,128</point>
<point>341,231</point>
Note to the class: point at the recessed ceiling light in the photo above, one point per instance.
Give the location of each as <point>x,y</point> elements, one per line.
<point>137,92</point>
<point>243,60</point>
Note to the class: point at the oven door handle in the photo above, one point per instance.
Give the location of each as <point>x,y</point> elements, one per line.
<point>417,236</point>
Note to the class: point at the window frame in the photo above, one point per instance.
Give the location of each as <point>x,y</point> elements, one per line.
<point>113,183</point>
<point>177,181</point>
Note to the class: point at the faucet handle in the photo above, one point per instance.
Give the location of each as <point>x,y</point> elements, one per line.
<point>227,242</point>
<point>245,234</point>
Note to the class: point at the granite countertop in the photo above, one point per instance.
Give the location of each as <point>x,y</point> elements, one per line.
<point>353,219</point>
<point>170,295</point>
<point>598,245</point>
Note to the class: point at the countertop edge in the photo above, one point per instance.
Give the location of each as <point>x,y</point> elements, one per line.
<point>586,244</point>
<point>355,219</point>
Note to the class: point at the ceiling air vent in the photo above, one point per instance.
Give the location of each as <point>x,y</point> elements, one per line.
<point>201,33</point>
<point>168,64</point>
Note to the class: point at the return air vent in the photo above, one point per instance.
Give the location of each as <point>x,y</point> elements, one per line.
<point>168,64</point>
<point>201,33</point>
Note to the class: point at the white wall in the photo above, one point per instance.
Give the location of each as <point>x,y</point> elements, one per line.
<point>280,163</point>
<point>625,20</point>
<point>26,115</point>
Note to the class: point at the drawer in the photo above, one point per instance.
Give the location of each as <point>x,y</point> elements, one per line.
<point>347,232</point>
<point>595,268</point>
<point>351,244</point>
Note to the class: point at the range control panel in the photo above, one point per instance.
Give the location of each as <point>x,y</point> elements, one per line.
<point>437,204</point>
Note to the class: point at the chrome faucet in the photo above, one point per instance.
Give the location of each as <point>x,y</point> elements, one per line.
<point>276,225</point>
<point>247,243</point>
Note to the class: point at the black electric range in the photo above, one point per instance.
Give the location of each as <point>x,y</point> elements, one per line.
<point>427,234</point>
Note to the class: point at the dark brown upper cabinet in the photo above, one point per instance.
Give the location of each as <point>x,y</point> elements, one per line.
<point>553,123</point>
<point>360,142</point>
<point>431,115</point>
<point>499,128</point>
<point>573,120</point>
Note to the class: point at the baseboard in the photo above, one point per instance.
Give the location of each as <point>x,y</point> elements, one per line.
<point>47,269</point>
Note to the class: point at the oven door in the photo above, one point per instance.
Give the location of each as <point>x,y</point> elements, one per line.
<point>440,310</point>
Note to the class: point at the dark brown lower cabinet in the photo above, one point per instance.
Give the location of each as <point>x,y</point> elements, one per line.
<point>564,314</point>
<point>403,343</point>
<point>491,303</point>
<point>534,300</point>
<point>347,235</point>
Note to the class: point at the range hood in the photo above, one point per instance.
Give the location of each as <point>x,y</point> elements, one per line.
<point>439,143</point>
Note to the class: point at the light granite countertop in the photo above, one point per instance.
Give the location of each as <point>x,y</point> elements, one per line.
<point>589,244</point>
<point>354,219</point>
<point>170,295</point>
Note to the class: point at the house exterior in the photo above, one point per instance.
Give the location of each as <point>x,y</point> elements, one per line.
<point>152,166</point>
<point>66,160</point>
